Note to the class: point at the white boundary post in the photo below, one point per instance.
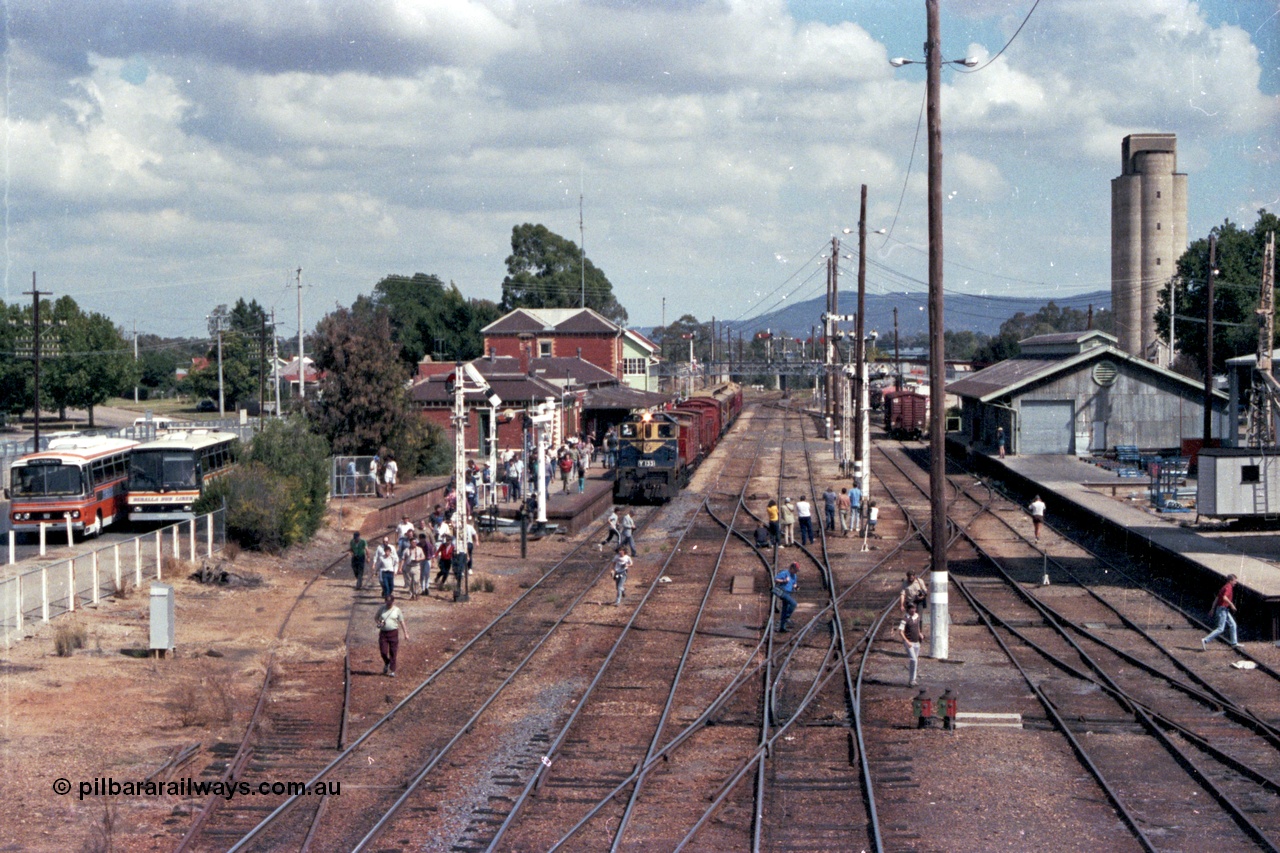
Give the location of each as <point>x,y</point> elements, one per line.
<point>192,549</point>
<point>70,533</point>
<point>13,547</point>
<point>137,561</point>
<point>18,607</point>
<point>43,538</point>
<point>97,578</point>
<point>177,541</point>
<point>116,548</point>
<point>208,535</point>
<point>44,593</point>
<point>71,584</point>
<point>159,552</point>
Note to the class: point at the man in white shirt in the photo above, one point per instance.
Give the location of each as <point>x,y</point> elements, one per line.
<point>804,515</point>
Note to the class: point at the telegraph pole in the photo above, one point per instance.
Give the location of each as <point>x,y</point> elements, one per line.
<point>302,370</point>
<point>1208,341</point>
<point>862,437</point>
<point>939,619</point>
<point>35,293</point>
<point>897,354</point>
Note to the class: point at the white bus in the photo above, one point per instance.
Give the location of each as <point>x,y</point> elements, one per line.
<point>168,475</point>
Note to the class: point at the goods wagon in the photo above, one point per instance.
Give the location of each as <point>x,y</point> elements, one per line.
<point>906,414</point>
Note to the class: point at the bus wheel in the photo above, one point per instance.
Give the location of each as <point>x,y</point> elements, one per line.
<point>94,530</point>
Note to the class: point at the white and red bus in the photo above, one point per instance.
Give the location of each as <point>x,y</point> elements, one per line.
<point>83,478</point>
<point>167,476</point>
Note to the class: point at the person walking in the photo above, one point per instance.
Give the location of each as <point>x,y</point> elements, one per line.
<point>444,560</point>
<point>855,508</point>
<point>788,514</point>
<point>873,516</point>
<point>358,548</point>
<point>911,630</point>
<point>1000,441</point>
<point>566,466</point>
<point>1223,606</point>
<point>829,501</point>
<point>390,477</point>
<point>621,565</point>
<point>784,587</point>
<point>628,525</point>
<point>843,510</point>
<point>771,512</point>
<point>804,515</point>
<point>612,535</point>
<point>412,568</point>
<point>387,561</point>
<point>390,626</point>
<point>1036,509</point>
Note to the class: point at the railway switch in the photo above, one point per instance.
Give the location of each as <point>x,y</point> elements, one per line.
<point>922,707</point>
<point>946,709</point>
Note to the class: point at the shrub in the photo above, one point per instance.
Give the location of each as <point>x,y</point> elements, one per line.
<point>203,703</point>
<point>68,638</point>
<point>277,497</point>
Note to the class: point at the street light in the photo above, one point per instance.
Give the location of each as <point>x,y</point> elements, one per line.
<point>938,610</point>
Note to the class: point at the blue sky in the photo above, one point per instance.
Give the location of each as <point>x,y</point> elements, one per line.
<point>163,158</point>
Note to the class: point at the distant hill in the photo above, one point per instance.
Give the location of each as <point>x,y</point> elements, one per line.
<point>961,311</point>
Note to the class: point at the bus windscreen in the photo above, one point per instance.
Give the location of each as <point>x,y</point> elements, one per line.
<point>34,481</point>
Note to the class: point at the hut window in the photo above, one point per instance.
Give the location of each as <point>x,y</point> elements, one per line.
<point>1250,474</point>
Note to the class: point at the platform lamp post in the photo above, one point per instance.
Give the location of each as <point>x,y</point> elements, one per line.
<point>939,618</point>
<point>464,378</point>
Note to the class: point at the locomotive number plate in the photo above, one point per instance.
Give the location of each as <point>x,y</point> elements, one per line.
<point>648,463</point>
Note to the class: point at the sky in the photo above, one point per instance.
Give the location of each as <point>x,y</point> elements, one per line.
<point>162,158</point>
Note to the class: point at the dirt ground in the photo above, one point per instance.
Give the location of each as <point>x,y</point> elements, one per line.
<point>109,711</point>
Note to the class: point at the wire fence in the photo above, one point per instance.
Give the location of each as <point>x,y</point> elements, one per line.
<point>39,594</point>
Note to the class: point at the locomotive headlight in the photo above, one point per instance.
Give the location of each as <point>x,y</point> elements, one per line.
<point>646,417</point>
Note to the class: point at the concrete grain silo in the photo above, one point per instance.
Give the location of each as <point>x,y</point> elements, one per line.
<point>1148,235</point>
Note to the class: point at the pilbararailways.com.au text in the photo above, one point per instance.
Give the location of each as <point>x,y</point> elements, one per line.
<point>188,787</point>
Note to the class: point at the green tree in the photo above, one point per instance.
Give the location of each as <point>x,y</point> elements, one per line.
<point>1049,319</point>
<point>242,355</point>
<point>1235,299</point>
<point>544,270</point>
<point>364,405</point>
<point>277,497</point>
<point>93,361</point>
<point>428,318</point>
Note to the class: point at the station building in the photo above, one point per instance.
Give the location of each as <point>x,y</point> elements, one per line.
<point>1078,393</point>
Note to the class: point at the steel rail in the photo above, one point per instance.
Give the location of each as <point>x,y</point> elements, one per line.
<point>1201,690</point>
<point>625,820</point>
<point>1234,811</point>
<point>345,754</point>
<point>747,674</point>
<point>242,753</point>
<point>554,747</point>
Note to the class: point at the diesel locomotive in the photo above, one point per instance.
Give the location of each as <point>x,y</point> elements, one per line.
<point>658,451</point>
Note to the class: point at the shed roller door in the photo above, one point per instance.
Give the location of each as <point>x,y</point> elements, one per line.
<point>1048,426</point>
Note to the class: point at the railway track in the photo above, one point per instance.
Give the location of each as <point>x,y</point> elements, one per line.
<point>296,723</point>
<point>423,737</point>
<point>1180,761</point>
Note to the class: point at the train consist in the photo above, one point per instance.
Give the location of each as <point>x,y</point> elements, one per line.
<point>906,413</point>
<point>658,451</point>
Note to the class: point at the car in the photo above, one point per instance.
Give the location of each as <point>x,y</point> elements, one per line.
<point>206,406</point>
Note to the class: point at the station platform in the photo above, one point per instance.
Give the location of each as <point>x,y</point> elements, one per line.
<point>1073,488</point>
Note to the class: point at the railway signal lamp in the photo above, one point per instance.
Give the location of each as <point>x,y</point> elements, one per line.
<point>922,708</point>
<point>946,709</point>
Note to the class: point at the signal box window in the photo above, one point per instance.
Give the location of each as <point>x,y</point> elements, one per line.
<point>544,349</point>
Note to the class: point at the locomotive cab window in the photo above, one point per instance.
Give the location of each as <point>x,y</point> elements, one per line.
<point>628,431</point>
<point>664,431</point>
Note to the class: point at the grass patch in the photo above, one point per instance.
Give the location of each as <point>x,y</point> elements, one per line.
<point>68,638</point>
<point>203,702</point>
<point>483,583</point>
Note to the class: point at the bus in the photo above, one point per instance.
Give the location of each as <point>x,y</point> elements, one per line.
<point>167,476</point>
<point>81,478</point>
